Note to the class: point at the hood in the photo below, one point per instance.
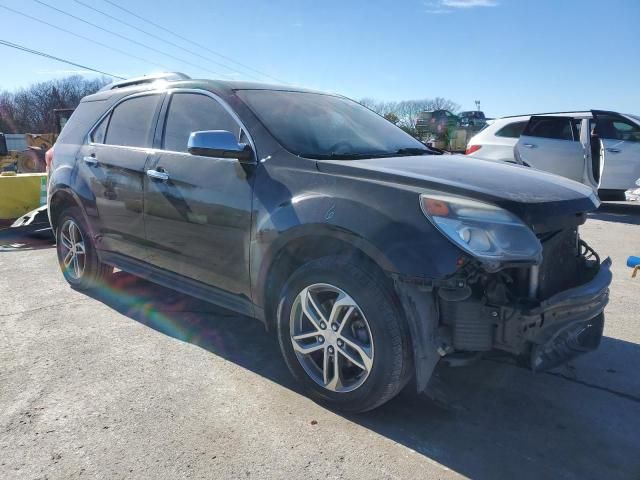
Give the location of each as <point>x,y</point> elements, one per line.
<point>533,195</point>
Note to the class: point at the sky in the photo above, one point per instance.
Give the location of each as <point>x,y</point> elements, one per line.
<point>515,56</point>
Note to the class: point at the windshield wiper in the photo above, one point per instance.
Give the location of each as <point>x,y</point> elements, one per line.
<point>357,156</point>
<point>340,156</point>
<point>414,151</point>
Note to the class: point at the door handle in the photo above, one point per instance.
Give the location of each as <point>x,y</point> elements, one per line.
<point>157,175</point>
<point>613,150</point>
<point>90,160</point>
<point>529,145</point>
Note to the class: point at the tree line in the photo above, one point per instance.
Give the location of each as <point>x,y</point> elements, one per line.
<point>30,109</point>
<point>405,113</point>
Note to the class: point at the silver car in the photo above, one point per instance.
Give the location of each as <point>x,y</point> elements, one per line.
<point>597,148</point>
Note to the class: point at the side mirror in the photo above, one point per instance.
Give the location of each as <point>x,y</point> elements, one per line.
<point>218,143</point>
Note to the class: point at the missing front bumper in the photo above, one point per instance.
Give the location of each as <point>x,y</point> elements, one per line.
<point>550,332</point>
<point>568,342</point>
<point>569,323</point>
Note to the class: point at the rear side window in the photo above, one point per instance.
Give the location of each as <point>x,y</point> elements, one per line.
<point>557,128</point>
<point>512,130</point>
<point>132,122</point>
<point>192,112</point>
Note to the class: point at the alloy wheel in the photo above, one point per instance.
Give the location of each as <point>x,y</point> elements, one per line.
<point>331,338</point>
<point>72,249</point>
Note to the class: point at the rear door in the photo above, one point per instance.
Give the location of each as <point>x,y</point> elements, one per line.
<point>198,220</point>
<point>620,136</point>
<point>552,144</point>
<point>114,163</point>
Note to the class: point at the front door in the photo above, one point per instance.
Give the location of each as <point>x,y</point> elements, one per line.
<point>198,209</point>
<point>593,154</point>
<point>113,163</point>
<point>551,144</point>
<point>620,136</point>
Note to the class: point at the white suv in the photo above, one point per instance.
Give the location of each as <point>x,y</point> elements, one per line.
<point>561,143</point>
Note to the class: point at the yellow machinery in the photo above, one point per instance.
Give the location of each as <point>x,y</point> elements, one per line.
<point>23,183</point>
<point>32,160</point>
<point>21,193</point>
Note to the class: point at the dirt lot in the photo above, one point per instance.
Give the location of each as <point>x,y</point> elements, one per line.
<point>136,381</point>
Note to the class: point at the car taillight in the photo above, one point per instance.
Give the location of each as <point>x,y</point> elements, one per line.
<point>48,158</point>
<point>472,148</point>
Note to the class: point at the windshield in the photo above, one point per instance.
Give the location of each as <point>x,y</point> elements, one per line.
<point>321,126</point>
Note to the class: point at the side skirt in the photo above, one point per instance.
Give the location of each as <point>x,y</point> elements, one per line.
<point>236,303</point>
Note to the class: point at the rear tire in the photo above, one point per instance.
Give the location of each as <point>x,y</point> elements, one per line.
<point>345,317</point>
<point>612,195</point>
<point>77,255</point>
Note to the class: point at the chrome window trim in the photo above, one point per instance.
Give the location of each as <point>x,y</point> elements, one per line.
<point>170,91</point>
<point>111,109</point>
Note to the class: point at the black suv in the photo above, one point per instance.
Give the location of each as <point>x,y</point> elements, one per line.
<point>372,257</point>
<point>473,119</point>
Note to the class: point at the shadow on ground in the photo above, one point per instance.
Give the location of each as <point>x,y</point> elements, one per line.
<point>619,212</point>
<point>501,422</point>
<point>26,238</point>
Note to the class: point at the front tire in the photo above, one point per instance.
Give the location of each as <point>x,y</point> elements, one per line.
<point>342,336</point>
<point>77,255</point>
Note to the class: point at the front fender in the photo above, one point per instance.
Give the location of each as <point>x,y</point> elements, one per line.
<point>394,243</point>
<point>311,217</point>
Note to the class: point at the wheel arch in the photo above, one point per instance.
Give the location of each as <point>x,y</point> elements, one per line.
<point>60,200</point>
<point>308,243</point>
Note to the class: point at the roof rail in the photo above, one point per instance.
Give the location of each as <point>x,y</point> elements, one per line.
<point>546,113</point>
<point>167,76</point>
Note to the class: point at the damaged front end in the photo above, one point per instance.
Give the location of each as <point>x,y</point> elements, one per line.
<point>533,290</point>
<point>546,313</point>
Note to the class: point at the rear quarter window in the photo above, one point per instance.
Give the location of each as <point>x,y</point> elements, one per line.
<point>81,121</point>
<point>512,130</point>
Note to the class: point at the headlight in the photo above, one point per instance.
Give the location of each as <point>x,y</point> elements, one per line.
<point>485,231</point>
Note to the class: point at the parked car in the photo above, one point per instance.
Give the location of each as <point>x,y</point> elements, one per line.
<point>497,140</point>
<point>371,257</point>
<point>473,119</point>
<point>597,148</point>
<point>436,122</point>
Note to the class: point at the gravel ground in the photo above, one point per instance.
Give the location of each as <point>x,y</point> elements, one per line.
<point>136,381</point>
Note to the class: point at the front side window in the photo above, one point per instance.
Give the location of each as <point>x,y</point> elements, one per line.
<point>132,122</point>
<point>321,126</point>
<point>192,112</point>
<point>617,128</point>
<point>557,128</point>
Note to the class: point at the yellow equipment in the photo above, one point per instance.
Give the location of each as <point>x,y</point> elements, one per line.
<point>31,160</point>
<point>21,193</point>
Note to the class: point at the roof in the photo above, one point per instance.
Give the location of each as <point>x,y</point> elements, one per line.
<point>559,114</point>
<point>179,80</point>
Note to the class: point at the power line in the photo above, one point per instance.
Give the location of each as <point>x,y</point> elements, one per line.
<point>157,37</point>
<point>124,37</point>
<point>46,55</point>
<point>122,52</point>
<point>194,43</point>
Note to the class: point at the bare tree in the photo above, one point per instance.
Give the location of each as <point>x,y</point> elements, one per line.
<point>440,103</point>
<point>31,109</point>
<point>407,112</point>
